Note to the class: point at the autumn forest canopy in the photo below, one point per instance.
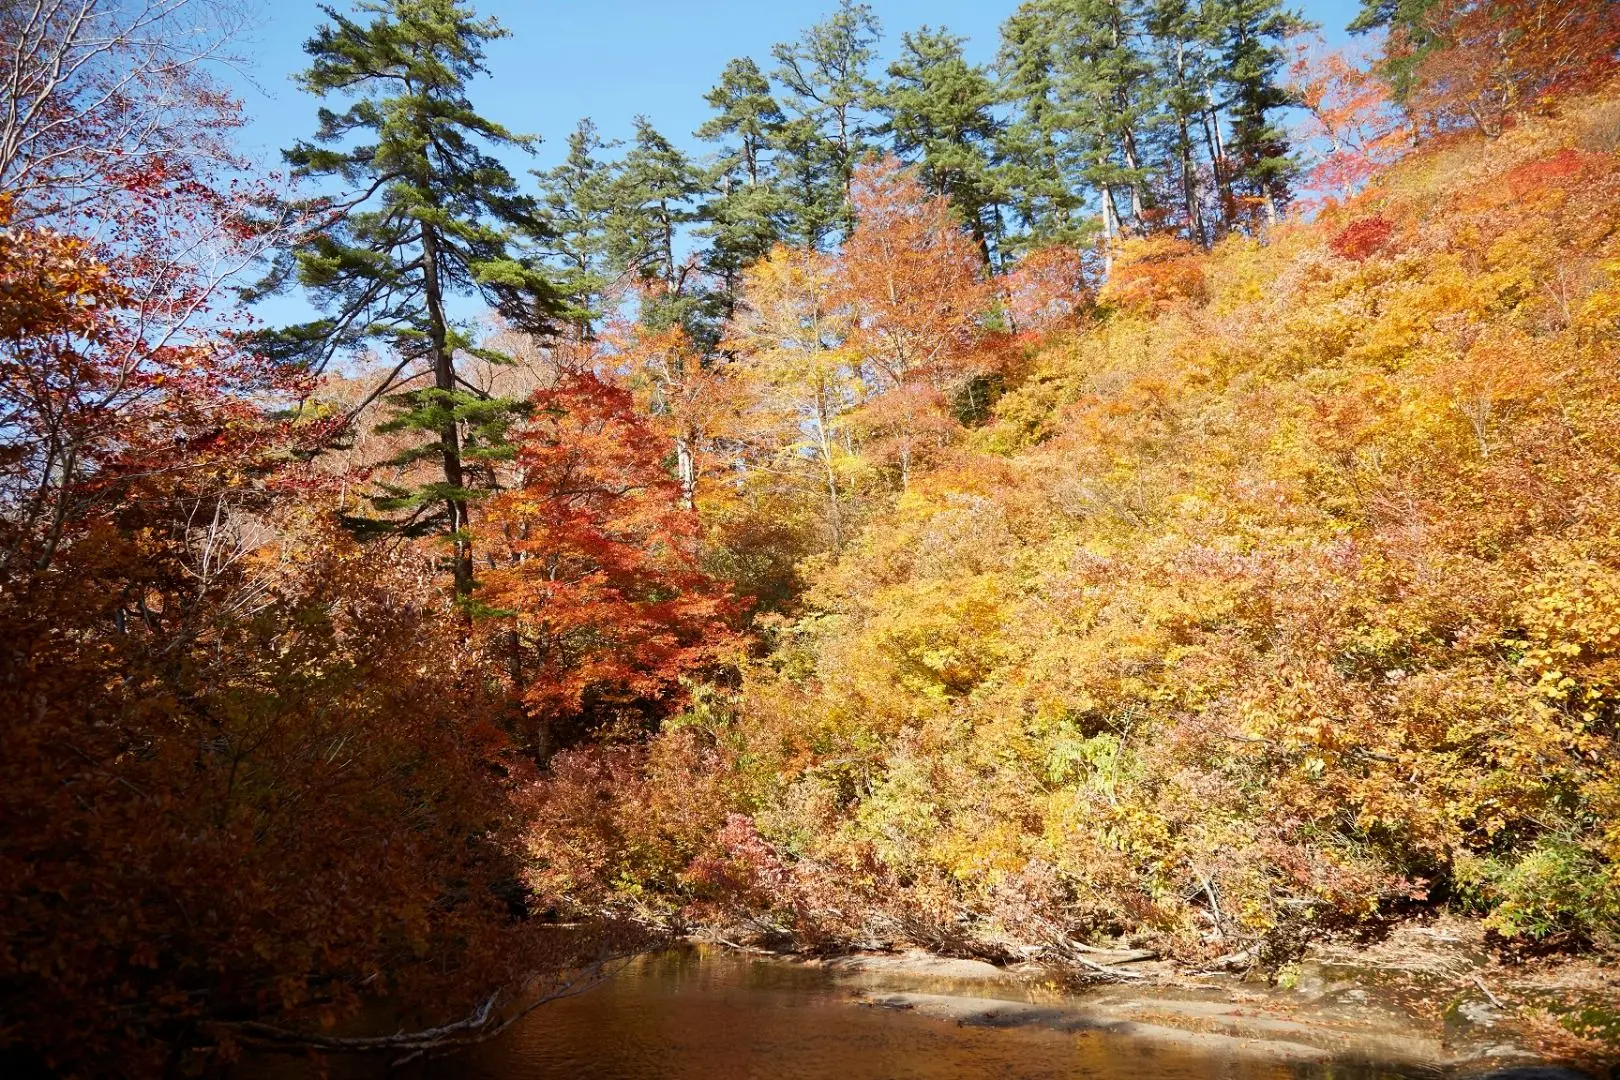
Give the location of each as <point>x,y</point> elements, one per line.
<point>1158,486</point>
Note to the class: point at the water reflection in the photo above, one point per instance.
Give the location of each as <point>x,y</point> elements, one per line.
<point>693,1015</point>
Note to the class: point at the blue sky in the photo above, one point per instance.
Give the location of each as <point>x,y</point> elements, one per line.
<point>612,59</point>
<point>609,60</point>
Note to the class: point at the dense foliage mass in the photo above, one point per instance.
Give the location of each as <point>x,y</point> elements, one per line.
<point>1278,597</point>
<point>994,510</point>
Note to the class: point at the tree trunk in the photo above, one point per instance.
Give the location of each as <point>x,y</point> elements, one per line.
<point>668,240</point>
<point>1189,189</point>
<point>835,512</point>
<point>1189,175</point>
<point>1110,228</point>
<point>444,379</point>
<point>1217,157</point>
<point>686,471</point>
<point>1127,144</point>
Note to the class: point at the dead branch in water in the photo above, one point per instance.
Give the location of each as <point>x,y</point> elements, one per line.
<point>485,1022</point>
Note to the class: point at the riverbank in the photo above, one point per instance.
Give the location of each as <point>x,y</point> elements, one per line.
<point>1404,1009</point>
<point>1432,999</point>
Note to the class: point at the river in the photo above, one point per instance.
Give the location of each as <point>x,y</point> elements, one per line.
<point>711,1015</point>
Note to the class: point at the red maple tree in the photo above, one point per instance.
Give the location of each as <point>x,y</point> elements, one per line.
<point>596,597</point>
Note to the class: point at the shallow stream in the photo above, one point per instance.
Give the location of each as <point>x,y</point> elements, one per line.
<point>709,1015</point>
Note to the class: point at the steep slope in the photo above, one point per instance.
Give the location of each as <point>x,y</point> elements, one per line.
<point>1284,596</point>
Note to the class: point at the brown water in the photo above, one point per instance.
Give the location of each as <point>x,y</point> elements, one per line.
<point>699,1015</point>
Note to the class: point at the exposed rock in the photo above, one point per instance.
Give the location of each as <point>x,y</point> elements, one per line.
<point>918,964</point>
<point>1534,1072</point>
<point>982,1012</point>
<point>1420,999</point>
<point>1425,997</point>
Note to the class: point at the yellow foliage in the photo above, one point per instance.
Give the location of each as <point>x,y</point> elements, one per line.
<point>1285,592</point>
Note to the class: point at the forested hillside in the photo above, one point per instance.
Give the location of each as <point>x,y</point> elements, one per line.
<point>1277,595</point>
<point>1162,487</point>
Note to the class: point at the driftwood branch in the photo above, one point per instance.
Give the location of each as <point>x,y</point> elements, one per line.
<point>484,1022</point>
<point>1101,969</point>
<point>1492,998</point>
<point>1214,906</point>
<point>740,947</point>
<point>1075,952</point>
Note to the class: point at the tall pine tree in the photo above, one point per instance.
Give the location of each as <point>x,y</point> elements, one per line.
<point>1181,50</point>
<point>1252,66</point>
<point>830,94</point>
<point>745,112</point>
<point>940,111</point>
<point>1109,96</point>
<point>745,213</point>
<point>578,198</point>
<point>1042,196</point>
<point>653,197</point>
<point>428,215</point>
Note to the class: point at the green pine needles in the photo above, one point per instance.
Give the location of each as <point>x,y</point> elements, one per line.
<point>426,214</point>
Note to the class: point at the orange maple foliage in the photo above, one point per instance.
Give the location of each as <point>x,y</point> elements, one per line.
<point>1049,289</point>
<point>1503,59</point>
<point>905,427</point>
<point>595,596</point>
<point>1350,117</point>
<point>1155,273</point>
<point>93,398</point>
<point>1362,237</point>
<point>913,278</point>
<point>686,395</point>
